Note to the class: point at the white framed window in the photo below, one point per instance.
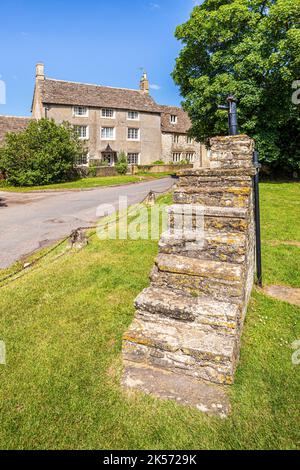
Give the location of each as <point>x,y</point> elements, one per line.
<point>108,113</point>
<point>190,157</point>
<point>133,115</point>
<point>133,158</point>
<point>108,133</point>
<point>173,119</point>
<point>133,133</point>
<point>189,140</point>
<point>82,132</point>
<point>83,160</point>
<point>176,157</point>
<point>175,138</point>
<point>80,111</point>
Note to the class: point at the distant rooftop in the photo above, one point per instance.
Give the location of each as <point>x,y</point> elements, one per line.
<point>12,124</point>
<point>183,122</point>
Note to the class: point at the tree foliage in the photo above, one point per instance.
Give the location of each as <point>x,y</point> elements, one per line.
<point>44,153</point>
<point>249,48</point>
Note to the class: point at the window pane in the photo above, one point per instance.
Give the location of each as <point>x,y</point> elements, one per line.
<point>82,160</point>
<point>133,133</point>
<point>80,111</point>
<point>190,157</point>
<point>133,158</point>
<point>107,133</point>
<point>108,113</point>
<point>133,115</point>
<point>176,157</point>
<point>81,131</point>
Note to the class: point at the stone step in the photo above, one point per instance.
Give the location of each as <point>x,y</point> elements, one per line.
<point>227,196</point>
<point>200,310</point>
<point>220,280</point>
<point>206,397</point>
<point>208,244</point>
<point>205,174</point>
<point>182,348</point>
<point>215,179</point>
<point>221,219</point>
<point>202,268</point>
<point>224,291</point>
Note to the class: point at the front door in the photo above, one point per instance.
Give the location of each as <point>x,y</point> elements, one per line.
<point>109,158</point>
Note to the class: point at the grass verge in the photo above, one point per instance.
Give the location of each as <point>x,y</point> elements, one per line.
<point>87,183</point>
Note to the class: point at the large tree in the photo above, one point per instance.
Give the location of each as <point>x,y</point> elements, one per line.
<point>249,48</point>
<point>44,153</point>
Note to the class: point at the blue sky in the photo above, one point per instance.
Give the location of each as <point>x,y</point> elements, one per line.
<point>92,41</point>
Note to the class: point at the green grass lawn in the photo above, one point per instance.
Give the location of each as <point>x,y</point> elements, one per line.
<point>87,183</point>
<point>280,207</point>
<point>63,323</point>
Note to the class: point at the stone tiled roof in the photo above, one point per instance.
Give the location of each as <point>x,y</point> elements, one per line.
<point>80,94</point>
<point>12,124</point>
<point>183,124</point>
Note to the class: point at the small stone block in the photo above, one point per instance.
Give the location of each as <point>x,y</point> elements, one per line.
<point>206,397</point>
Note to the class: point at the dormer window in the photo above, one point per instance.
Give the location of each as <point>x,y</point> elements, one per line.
<point>80,111</point>
<point>173,119</point>
<point>108,113</point>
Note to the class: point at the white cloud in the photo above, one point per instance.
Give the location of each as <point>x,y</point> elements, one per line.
<point>154,6</point>
<point>153,86</point>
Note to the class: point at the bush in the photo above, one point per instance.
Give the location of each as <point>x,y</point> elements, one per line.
<point>92,171</point>
<point>44,153</point>
<point>122,164</point>
<point>158,162</point>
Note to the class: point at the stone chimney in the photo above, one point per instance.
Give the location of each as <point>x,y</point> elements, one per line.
<point>40,71</point>
<point>144,83</point>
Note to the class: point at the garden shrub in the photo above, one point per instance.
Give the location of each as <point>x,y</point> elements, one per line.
<point>44,153</point>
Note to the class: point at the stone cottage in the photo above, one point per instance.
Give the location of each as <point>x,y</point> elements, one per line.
<point>111,120</point>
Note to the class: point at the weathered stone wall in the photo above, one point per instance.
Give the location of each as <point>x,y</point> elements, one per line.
<point>189,321</point>
<point>231,152</point>
<point>162,168</point>
<point>99,170</point>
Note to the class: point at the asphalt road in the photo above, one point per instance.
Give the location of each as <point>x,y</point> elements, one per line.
<point>29,221</point>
